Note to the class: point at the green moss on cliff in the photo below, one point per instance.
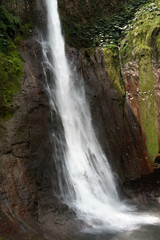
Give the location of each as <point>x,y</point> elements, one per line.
<point>12,31</point>
<point>10,73</point>
<point>139,45</point>
<point>138,41</point>
<point>10,62</point>
<point>148,108</point>
<point>158,42</point>
<point>113,68</point>
<point>114,73</point>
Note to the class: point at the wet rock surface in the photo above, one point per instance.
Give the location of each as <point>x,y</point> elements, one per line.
<point>27,168</point>
<point>117,123</point>
<point>146,189</point>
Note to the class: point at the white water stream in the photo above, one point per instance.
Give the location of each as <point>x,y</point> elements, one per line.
<point>90,189</point>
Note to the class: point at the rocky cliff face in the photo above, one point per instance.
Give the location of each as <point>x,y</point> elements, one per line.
<point>141,73</point>
<point>24,145</point>
<point>114,120</point>
<point>122,88</point>
<point>27,168</point>
<point>25,150</point>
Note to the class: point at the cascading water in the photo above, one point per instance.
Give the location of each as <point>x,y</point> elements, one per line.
<point>90,188</point>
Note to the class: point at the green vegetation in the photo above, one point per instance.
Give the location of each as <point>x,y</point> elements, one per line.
<point>142,40</point>
<point>148,108</point>
<point>104,31</point>
<point>9,24</point>
<point>114,72</point>
<point>158,41</point>
<point>10,61</point>
<point>11,33</point>
<point>113,68</point>
<point>10,73</point>
<point>142,32</point>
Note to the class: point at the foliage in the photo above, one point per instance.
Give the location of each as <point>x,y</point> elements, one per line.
<point>10,60</point>
<point>26,30</point>
<point>11,34</point>
<point>143,30</point>
<point>109,30</point>
<point>142,38</point>
<point>9,24</point>
<point>10,73</point>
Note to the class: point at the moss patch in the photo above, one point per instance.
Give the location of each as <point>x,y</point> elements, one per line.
<point>158,42</point>
<point>148,108</point>
<point>138,41</point>
<point>10,60</point>
<point>10,73</point>
<point>113,70</point>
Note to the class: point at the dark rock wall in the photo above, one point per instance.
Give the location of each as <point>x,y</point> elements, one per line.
<point>106,113</point>
<point>24,146</point>
<point>114,121</point>
<point>27,168</point>
<point>25,150</point>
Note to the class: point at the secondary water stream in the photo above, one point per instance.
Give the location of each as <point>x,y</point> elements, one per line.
<point>85,179</point>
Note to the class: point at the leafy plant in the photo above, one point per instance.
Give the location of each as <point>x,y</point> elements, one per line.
<point>8,26</point>
<point>141,32</point>
<point>109,30</point>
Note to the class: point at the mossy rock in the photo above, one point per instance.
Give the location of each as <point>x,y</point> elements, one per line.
<point>113,70</point>
<point>10,74</point>
<point>148,105</point>
<point>139,40</point>
<point>11,62</point>
<point>139,45</point>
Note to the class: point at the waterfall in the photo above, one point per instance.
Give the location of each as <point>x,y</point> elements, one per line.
<point>85,179</point>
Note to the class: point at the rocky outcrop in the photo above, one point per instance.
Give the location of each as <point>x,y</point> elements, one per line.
<point>123,99</point>
<point>145,189</point>
<point>141,72</point>
<point>27,173</point>
<point>114,121</point>
<point>24,140</point>
<point>123,96</point>
<point>123,89</point>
